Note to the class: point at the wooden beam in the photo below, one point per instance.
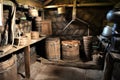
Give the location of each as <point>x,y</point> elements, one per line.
<point>27,61</point>
<point>47,2</point>
<point>81,5</point>
<point>32,3</point>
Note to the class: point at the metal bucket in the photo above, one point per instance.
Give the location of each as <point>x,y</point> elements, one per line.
<point>53,48</point>
<point>87,41</point>
<point>8,69</point>
<point>70,50</point>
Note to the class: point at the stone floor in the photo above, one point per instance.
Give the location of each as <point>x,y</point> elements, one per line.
<point>41,71</point>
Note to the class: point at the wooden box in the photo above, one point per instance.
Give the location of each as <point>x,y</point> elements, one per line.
<point>46,28</point>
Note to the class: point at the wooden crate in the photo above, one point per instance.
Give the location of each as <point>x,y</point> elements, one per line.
<point>46,28</point>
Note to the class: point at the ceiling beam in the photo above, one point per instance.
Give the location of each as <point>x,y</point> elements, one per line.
<point>81,5</point>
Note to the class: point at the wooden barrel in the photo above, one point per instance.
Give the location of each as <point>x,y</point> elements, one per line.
<point>53,48</point>
<point>38,24</point>
<point>45,28</point>
<point>87,41</point>
<point>8,69</point>
<point>70,50</point>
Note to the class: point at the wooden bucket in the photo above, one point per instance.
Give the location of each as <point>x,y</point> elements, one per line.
<point>28,36</point>
<point>34,35</point>
<point>53,49</point>
<point>8,69</point>
<point>20,41</point>
<point>70,50</point>
<point>87,41</point>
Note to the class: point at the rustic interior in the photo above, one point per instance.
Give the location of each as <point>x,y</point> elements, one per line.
<point>56,40</point>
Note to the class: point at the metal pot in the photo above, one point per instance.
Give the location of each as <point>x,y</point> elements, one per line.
<point>107,31</point>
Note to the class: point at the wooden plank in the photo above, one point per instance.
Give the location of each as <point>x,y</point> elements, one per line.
<point>27,61</point>
<point>80,64</point>
<point>32,3</point>
<point>16,48</point>
<point>81,5</point>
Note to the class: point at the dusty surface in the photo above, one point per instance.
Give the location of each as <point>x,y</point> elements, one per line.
<point>41,71</point>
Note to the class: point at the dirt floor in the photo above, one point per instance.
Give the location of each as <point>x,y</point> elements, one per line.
<point>41,71</point>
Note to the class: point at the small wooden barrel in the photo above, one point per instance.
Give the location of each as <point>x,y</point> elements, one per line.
<point>38,24</point>
<point>8,69</point>
<point>70,50</point>
<point>87,41</point>
<point>34,35</point>
<point>53,48</point>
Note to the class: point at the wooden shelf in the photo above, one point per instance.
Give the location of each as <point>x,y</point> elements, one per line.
<point>16,48</point>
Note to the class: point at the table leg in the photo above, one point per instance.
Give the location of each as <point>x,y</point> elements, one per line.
<point>27,61</point>
<point>108,69</point>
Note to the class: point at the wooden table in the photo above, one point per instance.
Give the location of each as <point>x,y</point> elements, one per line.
<point>110,59</point>
<point>26,54</point>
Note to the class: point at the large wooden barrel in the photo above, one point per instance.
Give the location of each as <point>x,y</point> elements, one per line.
<point>53,48</point>
<point>87,41</point>
<point>8,69</point>
<point>70,50</point>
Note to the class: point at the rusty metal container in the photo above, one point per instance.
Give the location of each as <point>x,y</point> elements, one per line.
<point>87,41</point>
<point>61,10</point>
<point>53,48</point>
<point>70,50</point>
<point>8,69</point>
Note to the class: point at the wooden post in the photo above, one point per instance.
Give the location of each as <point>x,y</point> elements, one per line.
<point>27,61</point>
<point>109,64</point>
